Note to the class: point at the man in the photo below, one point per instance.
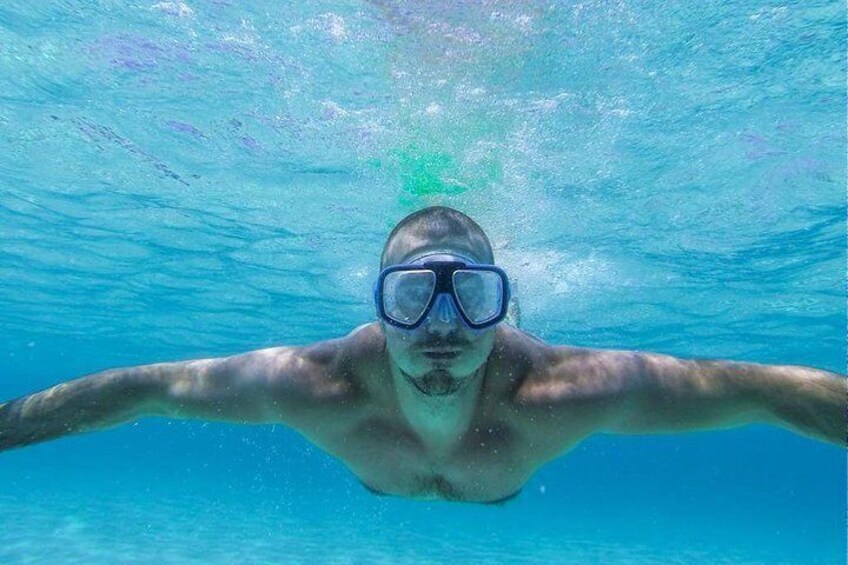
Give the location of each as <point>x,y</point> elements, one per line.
<point>438,398</point>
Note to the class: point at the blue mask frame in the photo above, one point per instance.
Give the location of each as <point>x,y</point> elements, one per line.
<point>444,271</point>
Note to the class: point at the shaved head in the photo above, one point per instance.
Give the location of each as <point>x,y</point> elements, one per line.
<point>437,228</point>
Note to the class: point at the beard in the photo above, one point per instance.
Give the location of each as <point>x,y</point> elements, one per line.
<point>436,383</point>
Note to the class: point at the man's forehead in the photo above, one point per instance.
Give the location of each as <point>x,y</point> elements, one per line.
<point>437,253</point>
<point>408,245</point>
<point>420,258</point>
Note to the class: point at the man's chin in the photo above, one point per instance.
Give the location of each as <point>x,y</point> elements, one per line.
<point>436,383</point>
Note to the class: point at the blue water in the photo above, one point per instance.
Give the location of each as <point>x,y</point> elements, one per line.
<point>195,179</point>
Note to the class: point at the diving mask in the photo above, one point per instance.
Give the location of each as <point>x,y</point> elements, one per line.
<point>405,294</point>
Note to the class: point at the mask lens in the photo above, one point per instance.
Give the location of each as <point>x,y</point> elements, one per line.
<point>479,293</point>
<point>406,294</point>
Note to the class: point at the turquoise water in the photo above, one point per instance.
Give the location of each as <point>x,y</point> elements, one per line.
<point>183,180</point>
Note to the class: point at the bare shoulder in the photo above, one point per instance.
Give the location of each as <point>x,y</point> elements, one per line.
<point>555,374</point>
<point>321,373</point>
<point>558,394</point>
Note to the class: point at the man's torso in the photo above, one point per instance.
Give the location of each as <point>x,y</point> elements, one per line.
<point>529,412</point>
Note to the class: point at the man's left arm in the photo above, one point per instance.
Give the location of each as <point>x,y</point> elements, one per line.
<point>670,395</point>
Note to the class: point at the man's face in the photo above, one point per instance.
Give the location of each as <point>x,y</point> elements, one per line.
<point>440,354</point>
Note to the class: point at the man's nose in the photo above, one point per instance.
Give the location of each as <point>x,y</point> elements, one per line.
<point>443,315</point>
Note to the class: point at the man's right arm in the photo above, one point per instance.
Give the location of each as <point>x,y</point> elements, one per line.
<point>261,386</point>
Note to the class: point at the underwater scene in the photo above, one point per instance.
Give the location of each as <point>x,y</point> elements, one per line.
<point>195,179</point>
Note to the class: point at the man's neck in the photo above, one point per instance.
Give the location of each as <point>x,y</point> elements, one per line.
<point>442,419</point>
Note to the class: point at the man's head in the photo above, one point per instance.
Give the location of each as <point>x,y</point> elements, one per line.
<point>443,351</point>
<point>437,228</point>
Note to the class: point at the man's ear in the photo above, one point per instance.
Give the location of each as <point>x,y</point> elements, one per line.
<point>513,310</point>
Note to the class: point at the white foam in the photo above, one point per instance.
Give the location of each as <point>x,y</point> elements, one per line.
<point>179,9</point>
<point>552,280</point>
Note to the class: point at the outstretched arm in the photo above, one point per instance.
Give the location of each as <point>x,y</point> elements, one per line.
<point>262,386</point>
<point>670,394</point>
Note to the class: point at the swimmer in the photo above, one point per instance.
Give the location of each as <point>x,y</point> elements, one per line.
<point>440,398</point>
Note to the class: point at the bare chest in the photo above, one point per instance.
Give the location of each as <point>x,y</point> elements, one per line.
<point>489,462</point>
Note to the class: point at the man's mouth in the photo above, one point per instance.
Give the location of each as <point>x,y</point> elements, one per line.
<point>440,353</point>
